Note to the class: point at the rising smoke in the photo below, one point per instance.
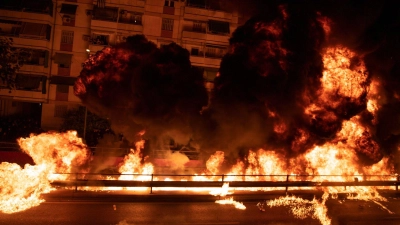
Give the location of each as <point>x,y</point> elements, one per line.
<point>266,84</point>
<point>141,87</point>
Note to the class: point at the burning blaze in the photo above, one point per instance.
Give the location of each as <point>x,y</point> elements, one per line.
<point>58,152</point>
<point>344,73</point>
<point>21,188</point>
<point>132,165</point>
<point>214,162</point>
<point>287,105</point>
<point>52,153</point>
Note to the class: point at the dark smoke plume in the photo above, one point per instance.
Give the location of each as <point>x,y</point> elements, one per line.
<point>270,74</point>
<point>273,69</point>
<point>141,87</point>
<point>266,82</point>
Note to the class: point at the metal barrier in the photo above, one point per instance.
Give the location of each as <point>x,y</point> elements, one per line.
<point>214,181</point>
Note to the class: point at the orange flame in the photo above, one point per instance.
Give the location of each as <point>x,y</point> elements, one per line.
<point>20,189</point>
<point>133,165</point>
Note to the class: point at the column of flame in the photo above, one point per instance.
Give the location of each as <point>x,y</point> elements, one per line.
<point>21,188</point>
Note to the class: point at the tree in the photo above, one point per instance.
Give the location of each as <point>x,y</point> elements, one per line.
<point>11,59</point>
<point>16,126</point>
<point>96,126</point>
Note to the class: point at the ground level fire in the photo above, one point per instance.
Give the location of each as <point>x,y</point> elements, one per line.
<point>57,155</point>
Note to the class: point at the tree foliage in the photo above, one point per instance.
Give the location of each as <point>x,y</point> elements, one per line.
<point>11,60</point>
<point>16,126</point>
<point>96,126</point>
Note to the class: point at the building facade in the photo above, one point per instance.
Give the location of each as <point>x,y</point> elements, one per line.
<point>61,35</point>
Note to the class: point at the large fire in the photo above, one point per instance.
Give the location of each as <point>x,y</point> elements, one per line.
<point>349,154</point>
<point>56,155</point>
<point>53,153</point>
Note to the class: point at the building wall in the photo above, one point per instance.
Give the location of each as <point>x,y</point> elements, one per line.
<point>75,35</point>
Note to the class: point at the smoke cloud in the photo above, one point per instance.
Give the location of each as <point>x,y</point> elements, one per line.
<point>141,87</point>
<point>269,92</point>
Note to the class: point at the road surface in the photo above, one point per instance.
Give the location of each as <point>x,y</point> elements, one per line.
<point>101,209</point>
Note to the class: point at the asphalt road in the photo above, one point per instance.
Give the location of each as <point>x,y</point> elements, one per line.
<point>101,209</point>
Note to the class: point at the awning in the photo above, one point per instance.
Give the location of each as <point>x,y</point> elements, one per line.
<point>221,27</point>
<point>68,9</point>
<point>64,80</point>
<point>62,58</point>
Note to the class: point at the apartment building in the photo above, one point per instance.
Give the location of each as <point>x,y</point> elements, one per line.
<point>62,34</point>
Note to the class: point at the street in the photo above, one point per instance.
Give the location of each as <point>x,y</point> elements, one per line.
<point>168,211</point>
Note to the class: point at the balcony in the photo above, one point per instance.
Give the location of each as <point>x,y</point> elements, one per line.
<point>38,6</point>
<point>27,86</point>
<point>25,15</point>
<point>109,14</point>
<point>168,10</point>
<point>207,55</point>
<point>96,48</point>
<point>130,27</point>
<point>204,61</point>
<point>17,94</point>
<point>24,33</point>
<point>192,12</point>
<point>33,68</point>
<point>66,47</point>
<point>98,42</point>
<point>187,35</point>
<point>129,20</point>
<point>40,43</point>
<point>135,3</point>
<point>104,25</point>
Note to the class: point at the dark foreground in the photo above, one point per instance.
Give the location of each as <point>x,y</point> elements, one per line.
<point>122,208</point>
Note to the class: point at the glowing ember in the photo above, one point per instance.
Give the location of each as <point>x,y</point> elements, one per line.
<point>227,201</point>
<point>230,201</point>
<point>302,208</point>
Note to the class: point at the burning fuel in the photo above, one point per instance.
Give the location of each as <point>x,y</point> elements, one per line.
<point>21,188</point>
<point>292,97</point>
